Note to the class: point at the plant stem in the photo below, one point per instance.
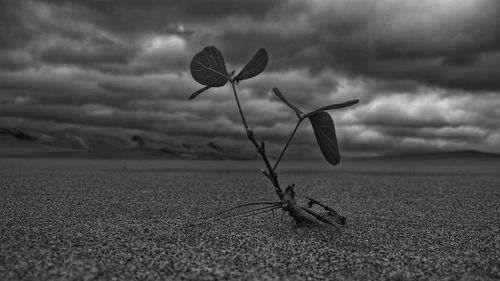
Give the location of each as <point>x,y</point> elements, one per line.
<point>273,177</point>
<point>239,106</point>
<point>287,143</point>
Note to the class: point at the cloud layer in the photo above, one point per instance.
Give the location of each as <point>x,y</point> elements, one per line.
<point>426,72</point>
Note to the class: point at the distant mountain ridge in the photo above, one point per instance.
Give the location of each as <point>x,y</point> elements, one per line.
<point>15,142</point>
<point>445,154</point>
<point>36,143</point>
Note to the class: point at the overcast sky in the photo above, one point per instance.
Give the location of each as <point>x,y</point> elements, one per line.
<point>426,72</point>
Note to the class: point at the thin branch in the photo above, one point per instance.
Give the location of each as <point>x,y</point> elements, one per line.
<point>273,177</point>
<point>261,212</point>
<point>319,217</point>
<point>244,214</point>
<point>262,151</point>
<point>313,201</point>
<point>237,207</point>
<point>340,219</point>
<point>286,145</point>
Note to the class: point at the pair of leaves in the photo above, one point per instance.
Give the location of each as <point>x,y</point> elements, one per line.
<point>208,68</point>
<point>323,127</point>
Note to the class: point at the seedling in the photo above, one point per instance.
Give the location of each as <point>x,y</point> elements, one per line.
<point>208,69</point>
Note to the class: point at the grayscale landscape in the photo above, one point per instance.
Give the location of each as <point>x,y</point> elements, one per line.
<point>249,140</point>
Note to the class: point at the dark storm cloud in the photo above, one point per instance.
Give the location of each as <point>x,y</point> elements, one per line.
<point>426,72</point>
<point>94,51</point>
<point>445,45</point>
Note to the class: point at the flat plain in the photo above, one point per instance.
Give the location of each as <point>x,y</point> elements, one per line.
<point>91,219</point>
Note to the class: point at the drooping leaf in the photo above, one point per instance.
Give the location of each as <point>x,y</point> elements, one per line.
<point>333,106</point>
<point>254,67</point>
<point>208,68</point>
<point>195,94</point>
<point>324,130</point>
<point>283,99</point>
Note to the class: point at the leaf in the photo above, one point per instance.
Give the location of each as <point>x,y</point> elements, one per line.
<point>208,68</point>
<point>333,106</point>
<point>195,94</point>
<point>324,130</point>
<point>282,98</point>
<point>254,67</point>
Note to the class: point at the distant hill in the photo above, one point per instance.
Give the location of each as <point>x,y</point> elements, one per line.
<point>36,143</point>
<point>461,154</point>
<point>33,143</point>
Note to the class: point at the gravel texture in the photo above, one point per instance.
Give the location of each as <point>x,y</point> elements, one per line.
<point>64,224</point>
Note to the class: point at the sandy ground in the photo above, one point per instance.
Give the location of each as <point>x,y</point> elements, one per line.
<point>121,224</point>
